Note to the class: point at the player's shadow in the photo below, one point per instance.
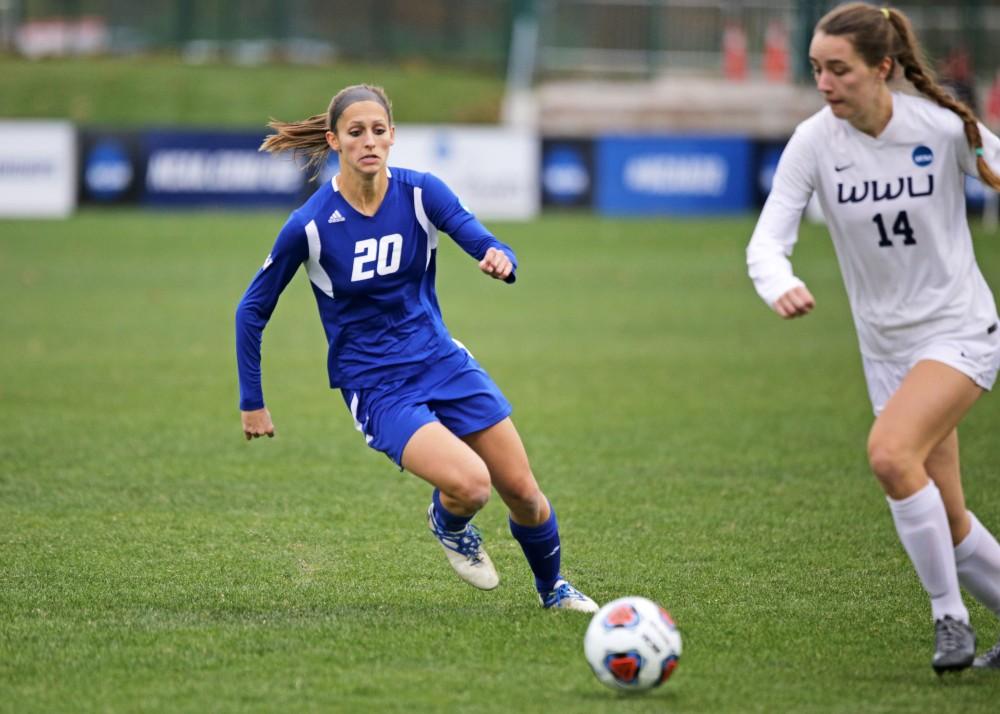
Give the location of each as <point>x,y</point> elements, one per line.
<point>966,679</point>
<point>626,699</point>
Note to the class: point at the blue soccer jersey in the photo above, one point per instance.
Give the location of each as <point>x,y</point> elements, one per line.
<point>373,278</point>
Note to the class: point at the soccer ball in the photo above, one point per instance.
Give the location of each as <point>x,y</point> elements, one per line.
<point>632,644</point>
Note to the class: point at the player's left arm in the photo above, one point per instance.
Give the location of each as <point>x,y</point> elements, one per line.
<point>445,211</point>
<point>967,158</point>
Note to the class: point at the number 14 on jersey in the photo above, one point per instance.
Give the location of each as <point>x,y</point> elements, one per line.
<point>900,227</point>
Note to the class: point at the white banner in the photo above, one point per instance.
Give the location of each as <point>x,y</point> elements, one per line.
<point>37,169</point>
<point>493,170</point>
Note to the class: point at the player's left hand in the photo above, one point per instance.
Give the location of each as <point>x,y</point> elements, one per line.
<point>496,264</point>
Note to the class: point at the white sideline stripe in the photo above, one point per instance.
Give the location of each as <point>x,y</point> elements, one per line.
<point>429,228</point>
<point>357,424</point>
<point>314,270</point>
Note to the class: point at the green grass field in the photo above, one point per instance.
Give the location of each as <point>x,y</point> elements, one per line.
<point>160,91</point>
<point>699,451</point>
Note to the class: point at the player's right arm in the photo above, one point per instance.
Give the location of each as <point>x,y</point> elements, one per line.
<point>795,303</point>
<point>257,423</point>
<point>777,231</point>
<point>252,314</point>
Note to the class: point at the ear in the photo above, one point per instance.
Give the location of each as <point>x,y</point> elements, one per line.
<point>392,134</point>
<point>885,68</point>
<point>332,141</point>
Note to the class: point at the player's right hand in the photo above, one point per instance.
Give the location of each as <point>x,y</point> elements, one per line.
<point>795,303</point>
<point>257,423</point>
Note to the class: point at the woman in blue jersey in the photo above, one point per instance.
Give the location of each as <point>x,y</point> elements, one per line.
<point>889,170</point>
<point>368,240</point>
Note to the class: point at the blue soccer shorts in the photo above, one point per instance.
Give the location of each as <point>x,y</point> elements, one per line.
<point>455,391</point>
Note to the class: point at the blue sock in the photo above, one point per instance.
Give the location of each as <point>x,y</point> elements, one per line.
<point>445,518</point>
<point>541,547</point>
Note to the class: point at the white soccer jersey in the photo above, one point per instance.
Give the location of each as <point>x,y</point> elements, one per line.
<point>895,208</point>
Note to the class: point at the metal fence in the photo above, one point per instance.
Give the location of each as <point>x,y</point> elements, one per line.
<point>470,32</point>
<point>639,37</point>
<point>649,37</point>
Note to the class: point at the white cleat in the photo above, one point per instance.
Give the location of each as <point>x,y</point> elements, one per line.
<point>564,596</point>
<point>990,660</point>
<point>465,553</point>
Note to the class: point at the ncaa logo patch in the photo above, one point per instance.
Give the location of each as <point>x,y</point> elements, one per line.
<point>923,156</point>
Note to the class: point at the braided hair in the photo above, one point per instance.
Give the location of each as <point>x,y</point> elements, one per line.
<point>876,33</point>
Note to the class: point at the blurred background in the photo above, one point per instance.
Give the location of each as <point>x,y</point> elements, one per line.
<point>624,107</point>
<point>700,451</point>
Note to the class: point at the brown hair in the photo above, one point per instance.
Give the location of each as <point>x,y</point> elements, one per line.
<point>307,138</point>
<point>876,33</point>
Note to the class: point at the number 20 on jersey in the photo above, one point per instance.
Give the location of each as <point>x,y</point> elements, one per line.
<point>377,256</point>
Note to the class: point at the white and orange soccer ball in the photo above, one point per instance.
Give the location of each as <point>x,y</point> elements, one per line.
<point>633,644</point>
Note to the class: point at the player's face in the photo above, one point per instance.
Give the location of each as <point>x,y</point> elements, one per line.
<point>362,138</point>
<point>850,86</point>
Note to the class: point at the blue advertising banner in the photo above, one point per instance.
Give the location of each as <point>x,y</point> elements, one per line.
<point>111,166</point>
<point>681,175</point>
<point>768,154</point>
<point>975,193</point>
<point>567,172</point>
<point>192,168</point>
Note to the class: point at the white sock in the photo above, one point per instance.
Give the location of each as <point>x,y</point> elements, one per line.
<point>978,561</point>
<point>922,525</point>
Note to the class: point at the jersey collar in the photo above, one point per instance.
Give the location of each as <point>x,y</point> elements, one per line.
<point>336,188</point>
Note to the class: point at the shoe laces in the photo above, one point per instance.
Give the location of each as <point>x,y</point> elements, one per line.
<point>564,591</point>
<point>950,633</point>
<point>467,542</point>
<point>470,543</point>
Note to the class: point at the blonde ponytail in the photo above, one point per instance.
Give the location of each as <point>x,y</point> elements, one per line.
<point>306,138</point>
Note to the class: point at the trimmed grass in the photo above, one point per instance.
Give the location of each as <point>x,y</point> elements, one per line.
<point>155,91</point>
<point>698,450</point>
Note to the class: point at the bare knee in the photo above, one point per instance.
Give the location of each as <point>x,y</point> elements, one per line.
<point>469,487</point>
<point>895,465</point>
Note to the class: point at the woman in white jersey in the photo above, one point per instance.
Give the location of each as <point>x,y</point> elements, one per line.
<point>889,169</point>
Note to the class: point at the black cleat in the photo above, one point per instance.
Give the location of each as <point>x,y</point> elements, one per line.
<point>990,660</point>
<point>954,645</point>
